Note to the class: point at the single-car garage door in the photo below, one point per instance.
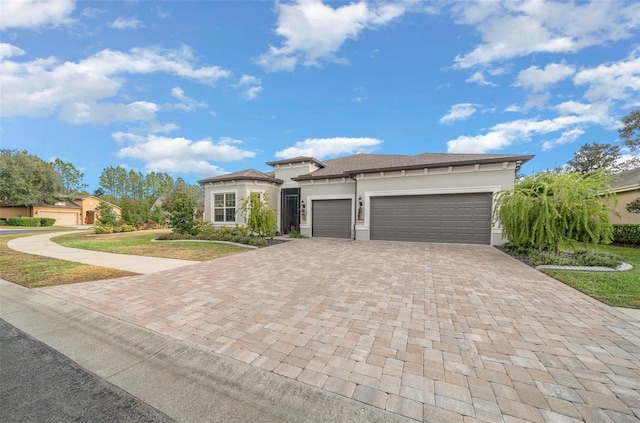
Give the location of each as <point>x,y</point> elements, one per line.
<point>457,218</point>
<point>331,218</point>
<point>62,217</point>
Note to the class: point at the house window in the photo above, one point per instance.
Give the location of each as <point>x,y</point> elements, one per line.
<point>224,207</point>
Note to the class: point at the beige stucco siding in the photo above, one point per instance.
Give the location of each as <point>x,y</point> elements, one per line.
<point>7,212</point>
<point>624,198</point>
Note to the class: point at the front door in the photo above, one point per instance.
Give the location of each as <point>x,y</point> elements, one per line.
<point>290,210</point>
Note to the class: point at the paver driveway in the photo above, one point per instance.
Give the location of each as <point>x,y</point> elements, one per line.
<point>434,332</point>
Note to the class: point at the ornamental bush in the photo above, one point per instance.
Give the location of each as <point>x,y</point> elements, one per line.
<point>24,221</point>
<point>548,208</point>
<point>47,221</point>
<point>626,234</point>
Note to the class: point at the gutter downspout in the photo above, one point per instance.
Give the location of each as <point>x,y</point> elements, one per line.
<point>355,198</point>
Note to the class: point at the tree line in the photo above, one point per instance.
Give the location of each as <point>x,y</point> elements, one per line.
<point>27,180</point>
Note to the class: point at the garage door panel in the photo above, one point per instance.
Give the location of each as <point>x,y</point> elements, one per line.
<point>62,218</point>
<point>331,218</point>
<point>457,218</point>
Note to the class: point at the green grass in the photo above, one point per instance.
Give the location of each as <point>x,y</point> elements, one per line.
<point>618,289</point>
<point>137,243</point>
<point>35,271</point>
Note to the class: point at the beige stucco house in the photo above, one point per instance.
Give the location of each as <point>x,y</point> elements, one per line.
<point>77,211</point>
<point>427,197</point>
<point>626,186</point>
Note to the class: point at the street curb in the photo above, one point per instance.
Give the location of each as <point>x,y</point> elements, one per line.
<point>184,381</point>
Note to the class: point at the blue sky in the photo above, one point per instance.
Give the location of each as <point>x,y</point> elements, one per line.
<point>201,88</point>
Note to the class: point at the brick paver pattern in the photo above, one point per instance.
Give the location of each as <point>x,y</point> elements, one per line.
<point>433,332</point>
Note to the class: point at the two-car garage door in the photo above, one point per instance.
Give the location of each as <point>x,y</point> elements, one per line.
<point>456,218</point>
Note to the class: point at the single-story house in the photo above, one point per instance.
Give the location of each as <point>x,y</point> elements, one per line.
<point>427,197</point>
<point>626,186</point>
<point>76,211</point>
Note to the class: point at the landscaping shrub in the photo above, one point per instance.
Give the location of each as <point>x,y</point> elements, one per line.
<point>626,234</point>
<point>24,221</point>
<point>296,234</point>
<point>124,228</point>
<point>99,228</point>
<point>47,221</point>
<point>579,258</point>
<point>597,258</point>
<point>207,232</point>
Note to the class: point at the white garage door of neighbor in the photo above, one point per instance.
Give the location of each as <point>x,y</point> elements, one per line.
<point>453,218</point>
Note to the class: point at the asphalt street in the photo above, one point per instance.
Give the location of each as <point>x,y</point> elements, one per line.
<point>38,384</point>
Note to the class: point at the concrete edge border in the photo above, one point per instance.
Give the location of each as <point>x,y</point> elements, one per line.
<point>624,267</point>
<point>184,381</point>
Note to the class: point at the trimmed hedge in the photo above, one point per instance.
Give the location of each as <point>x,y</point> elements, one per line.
<point>47,221</point>
<point>626,233</point>
<point>24,221</point>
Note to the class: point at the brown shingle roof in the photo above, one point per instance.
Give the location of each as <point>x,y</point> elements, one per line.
<point>243,175</point>
<point>365,163</point>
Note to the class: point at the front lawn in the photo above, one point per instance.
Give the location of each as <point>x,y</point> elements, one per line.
<point>139,243</point>
<point>618,289</point>
<point>35,271</point>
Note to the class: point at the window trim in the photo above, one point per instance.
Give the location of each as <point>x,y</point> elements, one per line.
<point>224,207</point>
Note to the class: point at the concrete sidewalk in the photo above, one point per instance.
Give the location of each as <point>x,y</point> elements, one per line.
<point>187,383</point>
<point>42,245</point>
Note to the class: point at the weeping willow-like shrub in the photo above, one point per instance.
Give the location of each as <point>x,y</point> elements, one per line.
<point>548,208</point>
<point>259,216</point>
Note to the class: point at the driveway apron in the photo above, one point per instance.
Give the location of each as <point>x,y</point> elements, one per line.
<point>433,332</point>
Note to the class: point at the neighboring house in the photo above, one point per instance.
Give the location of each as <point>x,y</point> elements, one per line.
<point>626,186</point>
<point>77,211</point>
<point>428,197</point>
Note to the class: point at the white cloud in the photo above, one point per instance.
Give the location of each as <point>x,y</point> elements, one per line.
<point>566,138</point>
<point>478,78</point>
<point>9,50</point>
<point>106,113</point>
<point>252,93</point>
<point>125,23</point>
<point>536,79</point>
<point>330,147</point>
<point>42,87</point>
<point>613,81</point>
<point>573,116</point>
<point>165,154</point>
<point>314,32</point>
<point>250,85</point>
<point>460,111</point>
<point>512,29</point>
<point>186,103</point>
<point>35,13</point>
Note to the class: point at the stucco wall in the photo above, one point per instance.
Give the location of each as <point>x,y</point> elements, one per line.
<point>242,189</point>
<point>7,212</point>
<point>623,199</point>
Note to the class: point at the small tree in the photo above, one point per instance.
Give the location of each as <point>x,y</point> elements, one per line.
<point>259,216</point>
<point>182,215</point>
<point>106,215</point>
<point>548,208</point>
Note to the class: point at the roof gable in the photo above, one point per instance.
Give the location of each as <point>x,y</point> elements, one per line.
<point>243,175</point>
